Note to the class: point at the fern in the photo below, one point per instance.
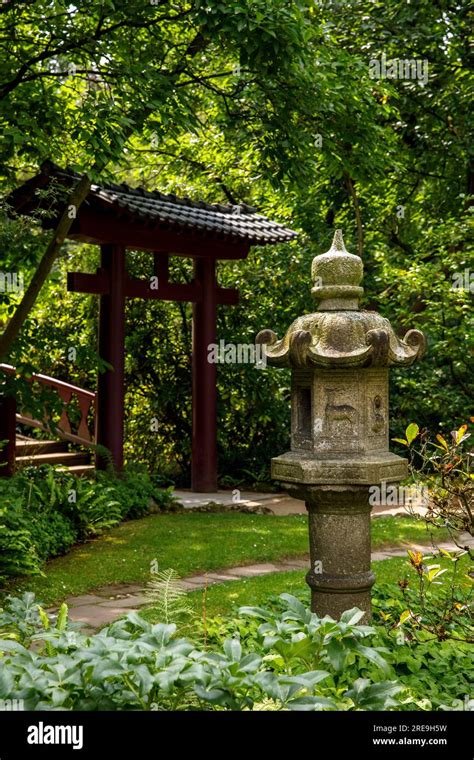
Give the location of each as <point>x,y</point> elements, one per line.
<point>167,596</point>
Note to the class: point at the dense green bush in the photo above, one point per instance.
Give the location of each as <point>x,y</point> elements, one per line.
<point>52,534</point>
<point>133,491</point>
<point>299,663</point>
<point>440,674</point>
<point>277,657</point>
<point>17,551</point>
<point>437,675</point>
<point>44,511</point>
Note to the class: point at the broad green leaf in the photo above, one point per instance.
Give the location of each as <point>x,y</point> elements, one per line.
<point>404,616</point>
<point>412,432</point>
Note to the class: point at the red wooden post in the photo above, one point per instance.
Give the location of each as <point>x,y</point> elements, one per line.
<point>204,448</point>
<point>111,388</point>
<point>7,435</point>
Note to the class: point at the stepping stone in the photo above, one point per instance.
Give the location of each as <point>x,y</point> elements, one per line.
<point>83,599</point>
<point>119,590</point>
<point>223,577</point>
<point>294,564</point>
<point>135,600</point>
<point>96,616</point>
<point>201,580</point>
<point>187,585</point>
<point>191,499</point>
<point>403,552</point>
<point>286,505</point>
<point>252,570</point>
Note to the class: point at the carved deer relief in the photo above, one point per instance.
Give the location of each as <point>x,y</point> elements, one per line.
<point>340,418</point>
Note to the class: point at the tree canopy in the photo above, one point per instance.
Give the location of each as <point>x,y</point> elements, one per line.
<point>271,103</point>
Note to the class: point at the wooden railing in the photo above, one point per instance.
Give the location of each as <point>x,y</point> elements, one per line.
<point>76,432</point>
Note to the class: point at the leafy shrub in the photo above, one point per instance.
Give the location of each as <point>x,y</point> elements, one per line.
<point>17,552</point>
<point>135,665</point>
<point>446,468</point>
<point>164,499</point>
<point>51,533</point>
<point>55,498</point>
<point>93,508</point>
<point>436,675</point>
<point>133,491</point>
<point>136,492</point>
<point>44,511</point>
<point>22,618</point>
<point>439,674</point>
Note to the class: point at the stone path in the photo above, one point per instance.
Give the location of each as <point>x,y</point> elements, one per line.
<point>112,602</point>
<point>280,504</point>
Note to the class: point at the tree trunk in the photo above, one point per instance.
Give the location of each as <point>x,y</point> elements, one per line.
<point>78,195</point>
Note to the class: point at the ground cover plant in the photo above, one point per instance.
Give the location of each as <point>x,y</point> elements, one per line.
<point>438,670</point>
<point>276,657</point>
<point>44,511</point>
<point>299,663</point>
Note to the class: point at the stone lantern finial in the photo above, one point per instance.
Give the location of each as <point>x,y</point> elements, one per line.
<point>336,277</point>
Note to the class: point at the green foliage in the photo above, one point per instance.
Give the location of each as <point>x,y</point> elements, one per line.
<point>441,601</point>
<point>84,508</point>
<point>436,602</point>
<point>445,464</point>
<point>17,551</point>
<point>94,510</point>
<point>44,511</point>
<point>23,620</point>
<point>136,491</point>
<point>440,674</point>
<point>134,664</point>
<point>20,618</point>
<point>437,675</point>
<point>299,636</point>
<point>52,533</point>
<point>225,101</point>
<point>165,593</point>
<point>439,670</point>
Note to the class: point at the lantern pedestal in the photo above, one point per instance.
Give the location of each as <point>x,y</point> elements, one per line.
<point>339,544</point>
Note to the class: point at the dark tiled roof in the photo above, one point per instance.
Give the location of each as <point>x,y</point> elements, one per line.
<point>182,214</point>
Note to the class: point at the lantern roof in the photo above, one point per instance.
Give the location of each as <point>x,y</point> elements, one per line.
<point>340,335</point>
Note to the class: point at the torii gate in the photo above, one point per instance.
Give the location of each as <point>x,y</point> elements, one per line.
<point>117,217</point>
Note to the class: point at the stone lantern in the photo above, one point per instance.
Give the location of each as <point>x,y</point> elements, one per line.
<point>339,357</point>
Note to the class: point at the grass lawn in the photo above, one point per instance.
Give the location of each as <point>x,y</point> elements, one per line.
<point>225,598</point>
<point>190,544</point>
